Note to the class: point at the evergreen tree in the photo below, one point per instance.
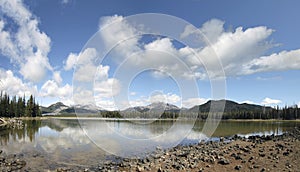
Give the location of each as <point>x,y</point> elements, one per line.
<point>29,107</point>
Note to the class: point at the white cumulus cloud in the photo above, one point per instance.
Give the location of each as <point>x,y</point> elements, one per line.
<point>57,77</point>
<point>114,30</point>
<point>52,89</point>
<point>13,85</point>
<point>85,65</point>
<point>285,60</point>
<point>166,98</point>
<point>240,51</point>
<point>28,47</point>
<point>71,61</point>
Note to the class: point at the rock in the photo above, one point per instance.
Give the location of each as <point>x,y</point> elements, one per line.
<point>256,166</point>
<point>247,150</point>
<point>64,169</point>
<point>20,162</point>
<point>139,168</point>
<point>238,167</point>
<point>261,154</point>
<point>286,153</point>
<point>184,154</point>
<point>224,161</point>
<point>35,155</point>
<point>19,166</point>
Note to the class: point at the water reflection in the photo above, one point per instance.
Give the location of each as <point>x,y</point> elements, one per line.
<point>26,132</point>
<point>64,141</point>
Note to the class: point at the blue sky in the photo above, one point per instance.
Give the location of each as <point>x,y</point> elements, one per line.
<point>256,42</point>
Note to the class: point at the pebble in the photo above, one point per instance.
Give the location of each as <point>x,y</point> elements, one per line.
<point>238,167</point>
<point>224,162</point>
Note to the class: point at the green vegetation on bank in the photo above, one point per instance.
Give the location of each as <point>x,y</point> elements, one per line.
<point>18,106</point>
<point>235,110</point>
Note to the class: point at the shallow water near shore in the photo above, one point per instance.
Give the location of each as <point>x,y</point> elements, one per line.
<point>50,143</point>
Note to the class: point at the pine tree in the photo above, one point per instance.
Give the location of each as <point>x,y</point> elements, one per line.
<point>19,111</point>
<point>29,108</point>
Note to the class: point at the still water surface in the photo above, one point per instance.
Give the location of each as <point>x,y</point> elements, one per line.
<point>50,142</point>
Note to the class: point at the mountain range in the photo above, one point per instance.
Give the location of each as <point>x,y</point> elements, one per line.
<point>156,107</point>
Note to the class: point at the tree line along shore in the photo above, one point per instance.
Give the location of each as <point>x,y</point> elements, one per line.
<point>18,106</point>
<point>13,106</point>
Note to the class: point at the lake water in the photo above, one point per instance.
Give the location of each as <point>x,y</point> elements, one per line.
<point>50,143</point>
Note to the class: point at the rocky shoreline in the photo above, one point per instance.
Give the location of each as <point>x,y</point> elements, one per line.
<point>255,153</point>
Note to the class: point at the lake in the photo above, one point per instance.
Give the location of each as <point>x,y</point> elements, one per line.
<point>52,142</point>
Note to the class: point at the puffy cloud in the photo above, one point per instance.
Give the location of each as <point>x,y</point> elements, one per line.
<point>28,47</point>
<point>232,49</point>
<point>119,30</point>
<point>269,101</point>
<point>56,77</point>
<point>14,85</point>
<point>213,29</point>
<point>106,104</point>
<point>83,96</point>
<point>85,66</point>
<point>52,89</point>
<point>248,44</point>
<point>285,60</point>
<point>188,30</point>
<point>35,68</point>
<point>107,88</point>
<point>166,98</point>
<point>239,51</point>
<point>298,104</point>
<point>209,32</point>
<point>103,88</point>
<point>188,103</point>
<point>157,54</point>
<point>71,61</point>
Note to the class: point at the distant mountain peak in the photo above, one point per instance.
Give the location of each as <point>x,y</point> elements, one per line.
<point>154,107</point>
<point>59,104</point>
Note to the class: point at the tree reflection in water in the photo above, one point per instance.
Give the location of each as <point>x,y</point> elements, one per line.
<point>28,129</point>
